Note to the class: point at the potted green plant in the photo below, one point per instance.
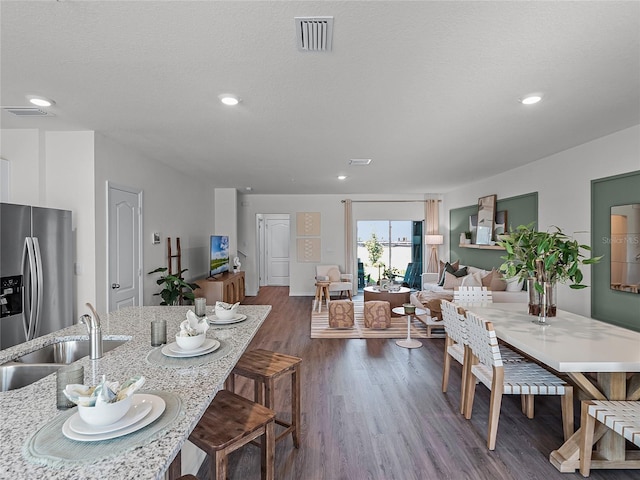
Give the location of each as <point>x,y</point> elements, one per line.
<point>175,290</point>
<point>544,259</point>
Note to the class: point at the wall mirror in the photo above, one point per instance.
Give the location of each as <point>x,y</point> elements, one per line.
<point>625,248</point>
<point>486,216</point>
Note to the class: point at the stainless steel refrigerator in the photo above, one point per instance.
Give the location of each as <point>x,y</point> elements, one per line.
<point>36,262</point>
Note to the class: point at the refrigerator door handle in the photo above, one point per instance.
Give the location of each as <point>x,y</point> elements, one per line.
<point>31,290</point>
<point>39,278</point>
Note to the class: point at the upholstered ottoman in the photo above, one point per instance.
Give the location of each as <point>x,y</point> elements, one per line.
<point>341,314</point>
<point>377,314</point>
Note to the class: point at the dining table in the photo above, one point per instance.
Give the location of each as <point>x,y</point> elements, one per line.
<point>35,443</point>
<point>601,359</point>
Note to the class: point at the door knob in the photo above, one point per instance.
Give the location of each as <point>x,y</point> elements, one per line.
<point>115,286</point>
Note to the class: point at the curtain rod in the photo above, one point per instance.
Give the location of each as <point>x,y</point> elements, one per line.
<point>392,201</point>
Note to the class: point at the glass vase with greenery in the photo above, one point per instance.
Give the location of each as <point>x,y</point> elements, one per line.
<point>547,258</point>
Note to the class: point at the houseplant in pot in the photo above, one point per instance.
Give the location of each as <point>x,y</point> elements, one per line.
<point>175,290</point>
<point>544,259</point>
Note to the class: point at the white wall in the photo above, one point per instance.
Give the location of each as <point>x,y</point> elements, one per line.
<point>174,204</point>
<point>21,147</point>
<point>301,274</point>
<point>55,170</point>
<point>563,183</point>
<point>74,152</point>
<point>226,217</point>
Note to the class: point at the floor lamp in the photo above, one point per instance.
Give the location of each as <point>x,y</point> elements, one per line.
<point>434,241</point>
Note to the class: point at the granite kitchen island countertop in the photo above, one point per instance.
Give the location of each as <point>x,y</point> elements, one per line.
<point>25,410</point>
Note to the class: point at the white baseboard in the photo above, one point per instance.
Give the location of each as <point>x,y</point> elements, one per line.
<point>301,294</point>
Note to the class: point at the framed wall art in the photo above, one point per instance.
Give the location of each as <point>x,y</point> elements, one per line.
<point>486,217</point>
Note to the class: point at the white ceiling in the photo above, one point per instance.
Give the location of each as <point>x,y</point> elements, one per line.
<point>428,90</point>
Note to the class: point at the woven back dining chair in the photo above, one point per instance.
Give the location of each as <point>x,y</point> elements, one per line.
<point>454,345</point>
<point>472,296</point>
<point>623,417</point>
<point>517,378</point>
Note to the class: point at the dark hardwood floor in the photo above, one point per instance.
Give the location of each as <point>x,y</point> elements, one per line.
<point>373,410</point>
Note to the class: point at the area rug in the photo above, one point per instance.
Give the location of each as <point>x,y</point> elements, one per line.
<point>398,329</point>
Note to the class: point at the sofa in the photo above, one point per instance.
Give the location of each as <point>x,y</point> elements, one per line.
<point>503,290</point>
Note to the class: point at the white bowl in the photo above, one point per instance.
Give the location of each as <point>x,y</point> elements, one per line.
<point>190,343</point>
<point>105,413</point>
<point>224,314</point>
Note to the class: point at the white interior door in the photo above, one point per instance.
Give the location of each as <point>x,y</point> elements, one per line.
<point>277,249</point>
<point>124,282</point>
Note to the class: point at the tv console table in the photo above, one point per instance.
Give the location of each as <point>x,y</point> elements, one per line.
<point>226,287</point>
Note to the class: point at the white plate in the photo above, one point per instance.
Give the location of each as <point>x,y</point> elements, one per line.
<point>170,353</point>
<point>139,409</point>
<point>206,345</point>
<point>238,317</point>
<point>157,407</point>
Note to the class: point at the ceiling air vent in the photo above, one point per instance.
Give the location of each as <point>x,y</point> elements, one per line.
<point>360,161</point>
<point>28,112</point>
<point>314,33</point>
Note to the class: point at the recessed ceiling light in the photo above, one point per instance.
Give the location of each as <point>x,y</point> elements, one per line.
<point>342,177</point>
<point>40,101</point>
<point>229,99</point>
<point>531,99</point>
<point>248,189</point>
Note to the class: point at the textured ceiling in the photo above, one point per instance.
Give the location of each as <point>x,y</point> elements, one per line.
<point>428,90</point>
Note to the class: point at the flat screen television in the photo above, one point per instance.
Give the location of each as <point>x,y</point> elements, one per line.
<point>219,255</point>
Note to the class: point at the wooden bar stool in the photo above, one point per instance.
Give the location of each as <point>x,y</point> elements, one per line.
<point>322,288</point>
<point>264,368</point>
<point>230,422</point>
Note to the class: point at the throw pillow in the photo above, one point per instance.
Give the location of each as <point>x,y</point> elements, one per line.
<point>498,283</point>
<point>514,284</point>
<point>455,265</point>
<point>451,281</point>
<point>486,279</point>
<point>472,280</point>
<point>461,272</point>
<point>473,269</point>
<point>333,274</point>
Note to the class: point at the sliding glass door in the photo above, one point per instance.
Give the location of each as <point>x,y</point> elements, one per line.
<point>389,249</point>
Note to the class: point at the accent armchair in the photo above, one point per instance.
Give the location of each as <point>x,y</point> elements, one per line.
<point>340,282</point>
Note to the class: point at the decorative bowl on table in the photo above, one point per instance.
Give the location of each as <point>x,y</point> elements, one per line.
<point>225,311</point>
<point>190,342</point>
<point>105,403</point>
<point>105,413</point>
<point>409,309</point>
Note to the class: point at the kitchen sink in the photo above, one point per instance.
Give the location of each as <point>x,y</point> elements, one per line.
<point>33,366</point>
<point>17,375</point>
<point>66,352</point>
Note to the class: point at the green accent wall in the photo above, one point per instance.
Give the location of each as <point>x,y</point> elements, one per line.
<point>611,306</point>
<point>521,210</point>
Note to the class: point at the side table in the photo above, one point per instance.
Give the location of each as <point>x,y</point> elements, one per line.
<point>322,288</point>
<point>408,342</point>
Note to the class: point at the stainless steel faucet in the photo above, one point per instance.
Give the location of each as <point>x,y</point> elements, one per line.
<point>95,332</point>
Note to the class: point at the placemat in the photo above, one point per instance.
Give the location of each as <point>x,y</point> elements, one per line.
<point>156,357</point>
<point>50,447</point>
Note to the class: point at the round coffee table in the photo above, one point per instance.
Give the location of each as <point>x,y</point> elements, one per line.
<point>395,299</point>
<point>409,342</point>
